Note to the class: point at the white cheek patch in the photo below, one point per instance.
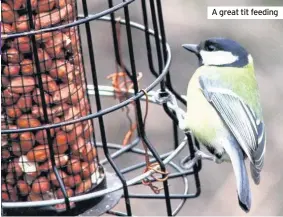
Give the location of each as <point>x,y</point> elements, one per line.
<point>250,58</point>
<point>217,57</point>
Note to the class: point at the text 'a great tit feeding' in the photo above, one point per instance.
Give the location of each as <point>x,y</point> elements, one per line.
<point>224,111</point>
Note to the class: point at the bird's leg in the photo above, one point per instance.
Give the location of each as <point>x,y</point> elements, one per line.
<point>188,163</point>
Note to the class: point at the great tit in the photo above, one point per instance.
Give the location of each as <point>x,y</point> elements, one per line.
<point>224,112</point>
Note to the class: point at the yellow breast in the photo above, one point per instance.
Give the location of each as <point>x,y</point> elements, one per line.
<point>201,117</point>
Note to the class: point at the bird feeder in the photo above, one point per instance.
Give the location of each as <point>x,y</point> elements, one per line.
<point>50,160</point>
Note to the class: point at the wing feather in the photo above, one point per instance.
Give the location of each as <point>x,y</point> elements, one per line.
<point>242,121</point>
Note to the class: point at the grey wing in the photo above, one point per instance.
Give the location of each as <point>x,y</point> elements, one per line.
<point>246,127</point>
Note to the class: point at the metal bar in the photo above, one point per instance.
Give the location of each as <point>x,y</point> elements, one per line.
<point>159,196</point>
<point>139,165</point>
<point>85,75</point>
<point>99,107</point>
<point>195,167</point>
<point>121,150</point>
<point>171,176</point>
<point>115,41</point>
<point>44,106</point>
<point>116,213</point>
<point>157,42</point>
<point>147,39</point>
<point>141,131</point>
<point>75,23</point>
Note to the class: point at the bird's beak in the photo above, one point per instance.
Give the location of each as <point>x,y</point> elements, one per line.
<point>194,48</point>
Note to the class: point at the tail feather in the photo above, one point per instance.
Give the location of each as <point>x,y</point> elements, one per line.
<point>243,187</point>
<point>255,174</point>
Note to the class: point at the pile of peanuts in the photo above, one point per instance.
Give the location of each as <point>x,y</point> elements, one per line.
<point>27,173</point>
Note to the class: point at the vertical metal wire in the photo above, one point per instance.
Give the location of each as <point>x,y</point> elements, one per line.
<point>115,39</point>
<point>100,118</point>
<point>160,60</point>
<point>44,106</point>
<point>141,131</point>
<point>195,168</point>
<point>87,94</point>
<point>157,43</point>
<point>168,79</point>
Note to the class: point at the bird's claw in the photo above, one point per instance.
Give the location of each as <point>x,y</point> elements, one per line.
<point>188,163</point>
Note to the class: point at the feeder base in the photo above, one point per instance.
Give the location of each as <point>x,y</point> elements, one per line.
<point>92,207</point>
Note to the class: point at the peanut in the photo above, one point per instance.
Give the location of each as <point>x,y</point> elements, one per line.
<point>27,67</point>
<point>32,2</point>
<point>23,84</point>
<point>16,149</point>
<point>62,94</point>
<point>60,161</point>
<point>5,154</point>
<point>15,4</point>
<point>10,179</point>
<point>83,186</point>
<point>44,59</point>
<point>5,81</point>
<point>14,167</point>
<point>22,24</point>
<point>87,169</point>
<point>74,166</point>
<point>13,136</point>
<point>7,28</point>
<point>46,19</point>
<point>22,44</point>
<point>49,85</point>
<point>40,185</point>
<point>25,102</point>
<point>38,112</point>
<point>27,120</point>
<point>41,136</point>
<point>23,187</point>
<point>63,3</point>
<point>12,55</point>
<point>9,193</point>
<point>37,97</point>
<point>13,111</point>
<point>8,15</point>
<point>73,134</point>
<point>55,45</point>
<point>45,5</point>
<point>52,177</point>
<point>8,97</point>
<point>41,37</point>
<point>27,141</point>
<point>59,110</point>
<point>39,153</point>
<point>62,70</point>
<point>60,144</point>
<point>60,194</point>
<point>72,181</point>
<point>11,70</point>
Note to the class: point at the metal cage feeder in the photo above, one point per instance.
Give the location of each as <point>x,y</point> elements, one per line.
<point>109,187</point>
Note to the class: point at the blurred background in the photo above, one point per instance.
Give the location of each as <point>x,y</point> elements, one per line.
<point>186,22</point>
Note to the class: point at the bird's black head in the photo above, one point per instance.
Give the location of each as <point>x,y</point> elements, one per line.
<point>220,52</point>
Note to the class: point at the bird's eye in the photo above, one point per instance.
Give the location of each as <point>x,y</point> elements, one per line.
<point>211,48</point>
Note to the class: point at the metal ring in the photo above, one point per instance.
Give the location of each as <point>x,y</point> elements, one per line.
<point>97,193</point>
<point>110,109</point>
<point>68,25</point>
